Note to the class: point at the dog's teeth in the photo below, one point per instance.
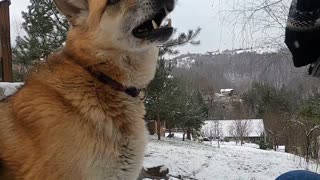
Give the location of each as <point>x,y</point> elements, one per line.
<point>169,23</point>
<point>155,25</point>
<point>167,12</point>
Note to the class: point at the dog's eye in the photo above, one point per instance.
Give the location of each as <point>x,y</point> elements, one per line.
<point>113,2</point>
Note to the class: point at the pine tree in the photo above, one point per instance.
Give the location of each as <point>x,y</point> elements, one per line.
<point>193,111</point>
<point>45,33</point>
<point>181,40</point>
<point>161,100</point>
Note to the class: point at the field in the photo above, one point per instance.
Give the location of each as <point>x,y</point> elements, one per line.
<point>192,160</point>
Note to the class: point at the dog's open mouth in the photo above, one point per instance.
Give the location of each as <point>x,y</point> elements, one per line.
<point>154,28</point>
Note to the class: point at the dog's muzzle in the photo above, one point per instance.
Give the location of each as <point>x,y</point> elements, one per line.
<point>154,28</point>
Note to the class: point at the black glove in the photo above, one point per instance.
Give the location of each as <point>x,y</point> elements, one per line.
<point>303,32</point>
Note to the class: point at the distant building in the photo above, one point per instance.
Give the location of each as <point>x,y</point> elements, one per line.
<point>221,105</point>
<point>225,129</point>
<point>225,95</point>
<point>226,92</point>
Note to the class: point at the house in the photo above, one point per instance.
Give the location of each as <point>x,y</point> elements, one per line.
<point>227,92</point>
<point>249,129</point>
<point>222,105</point>
<point>225,95</point>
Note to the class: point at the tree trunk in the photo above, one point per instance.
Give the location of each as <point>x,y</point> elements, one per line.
<point>189,133</point>
<point>158,128</point>
<point>316,149</point>
<point>308,148</point>
<point>287,143</point>
<point>170,135</point>
<point>184,133</point>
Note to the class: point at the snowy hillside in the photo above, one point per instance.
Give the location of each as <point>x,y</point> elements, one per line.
<point>194,160</point>
<point>187,60</point>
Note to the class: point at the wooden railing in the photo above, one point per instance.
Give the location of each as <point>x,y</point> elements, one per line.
<point>5,44</point>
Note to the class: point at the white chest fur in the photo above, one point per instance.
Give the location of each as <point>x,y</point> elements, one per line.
<point>121,162</point>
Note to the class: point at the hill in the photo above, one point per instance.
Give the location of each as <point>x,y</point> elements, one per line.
<point>237,69</point>
<point>193,160</point>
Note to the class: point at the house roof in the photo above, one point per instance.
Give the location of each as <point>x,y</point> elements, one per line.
<point>226,90</point>
<point>255,126</point>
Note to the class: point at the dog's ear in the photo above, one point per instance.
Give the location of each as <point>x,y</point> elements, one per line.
<point>74,10</point>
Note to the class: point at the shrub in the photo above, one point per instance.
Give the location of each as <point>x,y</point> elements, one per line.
<point>264,145</point>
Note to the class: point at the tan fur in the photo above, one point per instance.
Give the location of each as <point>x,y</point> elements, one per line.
<point>64,123</point>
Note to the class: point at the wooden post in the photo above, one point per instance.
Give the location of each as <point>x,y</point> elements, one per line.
<point>5,44</point>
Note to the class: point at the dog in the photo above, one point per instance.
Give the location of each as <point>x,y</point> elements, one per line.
<point>80,114</point>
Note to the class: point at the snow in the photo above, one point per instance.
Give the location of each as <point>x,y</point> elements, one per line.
<point>10,88</point>
<point>232,143</point>
<point>163,169</point>
<point>185,62</point>
<point>231,162</point>
<point>256,126</point>
<point>225,90</point>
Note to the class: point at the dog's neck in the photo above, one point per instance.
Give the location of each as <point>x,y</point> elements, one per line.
<point>131,69</point>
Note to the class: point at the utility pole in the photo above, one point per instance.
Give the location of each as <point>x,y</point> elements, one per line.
<point>5,44</point>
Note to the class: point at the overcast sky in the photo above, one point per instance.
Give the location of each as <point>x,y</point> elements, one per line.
<point>189,14</point>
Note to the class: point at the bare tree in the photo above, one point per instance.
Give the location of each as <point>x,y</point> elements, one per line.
<point>233,132</point>
<point>213,130</point>
<point>308,128</point>
<point>17,27</point>
<point>257,18</point>
<point>217,132</point>
<point>240,129</point>
<point>275,126</point>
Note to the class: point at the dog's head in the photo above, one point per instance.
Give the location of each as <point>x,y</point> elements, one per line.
<point>131,25</point>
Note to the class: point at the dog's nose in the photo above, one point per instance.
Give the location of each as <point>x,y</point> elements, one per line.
<point>169,4</point>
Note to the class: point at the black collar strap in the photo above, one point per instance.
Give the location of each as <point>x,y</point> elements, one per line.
<point>131,91</point>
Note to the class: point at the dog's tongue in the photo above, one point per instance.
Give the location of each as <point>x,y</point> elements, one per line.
<point>150,28</point>
<point>160,34</point>
<point>140,33</point>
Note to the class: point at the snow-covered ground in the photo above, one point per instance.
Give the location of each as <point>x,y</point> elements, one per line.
<point>194,160</point>
<point>10,88</point>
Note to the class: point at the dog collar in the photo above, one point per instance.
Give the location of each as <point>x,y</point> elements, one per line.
<point>131,91</point>
<point>105,79</point>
